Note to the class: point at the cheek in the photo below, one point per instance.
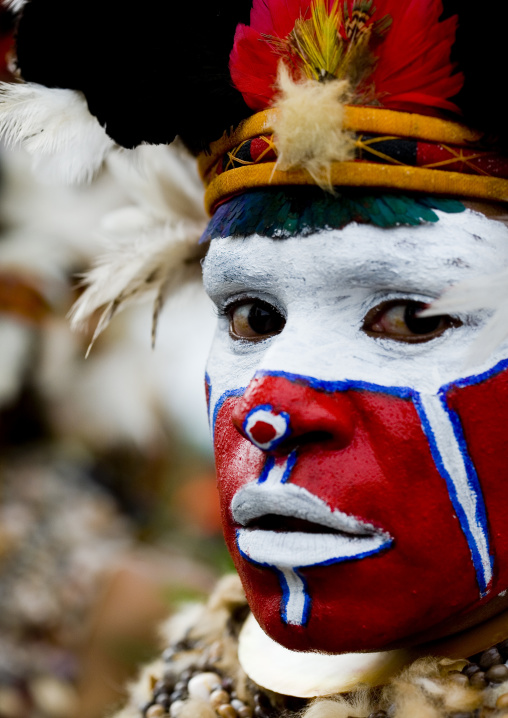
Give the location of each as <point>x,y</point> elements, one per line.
<point>387,477</point>
<point>392,476</point>
<point>481,412</point>
<point>237,461</point>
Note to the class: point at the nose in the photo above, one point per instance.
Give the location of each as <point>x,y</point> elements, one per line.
<point>277,415</point>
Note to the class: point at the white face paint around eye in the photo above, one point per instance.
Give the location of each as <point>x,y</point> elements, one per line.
<point>376,432</point>
<point>325,285</point>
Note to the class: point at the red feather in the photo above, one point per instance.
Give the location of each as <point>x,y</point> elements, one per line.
<point>413,58</point>
<point>414,66</point>
<point>253,61</point>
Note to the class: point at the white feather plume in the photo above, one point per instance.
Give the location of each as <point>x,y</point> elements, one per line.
<point>162,181</point>
<point>156,264</point>
<point>15,5</point>
<point>482,293</point>
<point>55,127</point>
<point>153,243</point>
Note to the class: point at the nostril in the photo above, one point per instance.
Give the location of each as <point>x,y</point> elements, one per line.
<point>313,437</point>
<point>293,442</point>
<point>277,415</point>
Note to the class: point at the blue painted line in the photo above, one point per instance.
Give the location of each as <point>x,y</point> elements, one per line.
<point>291,461</point>
<point>332,386</point>
<point>476,378</point>
<point>220,401</point>
<point>269,464</point>
<point>308,601</point>
<point>282,579</point>
<point>209,385</point>
<point>354,557</point>
<point>285,595</point>
<point>452,492</point>
<point>472,475</point>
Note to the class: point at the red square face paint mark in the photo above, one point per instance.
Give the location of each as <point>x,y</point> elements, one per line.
<point>263,432</point>
<point>367,456</point>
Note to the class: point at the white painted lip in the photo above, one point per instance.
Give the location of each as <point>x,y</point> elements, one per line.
<point>297,549</point>
<point>255,500</point>
<point>289,549</point>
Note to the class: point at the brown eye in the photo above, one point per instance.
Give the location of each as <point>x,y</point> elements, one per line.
<point>398,320</point>
<point>254,320</point>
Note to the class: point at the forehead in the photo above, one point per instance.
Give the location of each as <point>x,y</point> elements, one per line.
<point>424,259</point>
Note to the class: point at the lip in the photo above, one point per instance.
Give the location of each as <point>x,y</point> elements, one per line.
<point>351,537</point>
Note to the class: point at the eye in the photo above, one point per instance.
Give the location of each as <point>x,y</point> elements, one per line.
<point>398,320</point>
<point>254,320</point>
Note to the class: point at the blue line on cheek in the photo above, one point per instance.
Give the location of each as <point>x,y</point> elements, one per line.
<point>220,401</point>
<point>476,378</point>
<point>454,498</point>
<point>473,480</point>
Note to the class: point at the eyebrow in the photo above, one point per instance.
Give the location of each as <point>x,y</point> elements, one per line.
<point>302,211</point>
<point>410,265</point>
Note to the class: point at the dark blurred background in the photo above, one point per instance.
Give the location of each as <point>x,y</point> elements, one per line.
<point>109,516</point>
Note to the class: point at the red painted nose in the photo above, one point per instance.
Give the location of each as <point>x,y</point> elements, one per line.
<point>278,415</point>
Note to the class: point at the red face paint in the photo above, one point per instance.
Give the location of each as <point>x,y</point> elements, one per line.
<point>371,515</point>
<point>366,454</point>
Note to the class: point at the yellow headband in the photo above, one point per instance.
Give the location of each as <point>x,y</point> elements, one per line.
<point>224,179</point>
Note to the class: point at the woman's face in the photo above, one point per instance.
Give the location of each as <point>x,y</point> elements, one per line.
<point>361,464</point>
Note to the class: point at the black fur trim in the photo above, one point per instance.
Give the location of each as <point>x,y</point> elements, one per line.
<point>160,68</point>
<point>480,51</point>
<point>149,71</point>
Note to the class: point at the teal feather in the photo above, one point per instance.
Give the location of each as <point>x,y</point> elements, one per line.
<point>277,213</point>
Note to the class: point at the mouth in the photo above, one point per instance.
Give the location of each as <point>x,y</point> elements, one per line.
<point>288,527</point>
<point>287,524</point>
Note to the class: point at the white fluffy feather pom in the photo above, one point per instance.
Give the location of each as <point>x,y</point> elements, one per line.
<point>489,292</point>
<point>308,132</point>
<point>55,127</point>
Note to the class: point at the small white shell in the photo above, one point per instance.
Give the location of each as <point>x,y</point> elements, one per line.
<point>175,708</point>
<point>201,686</point>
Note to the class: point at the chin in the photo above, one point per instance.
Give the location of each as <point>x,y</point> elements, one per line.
<point>370,616</point>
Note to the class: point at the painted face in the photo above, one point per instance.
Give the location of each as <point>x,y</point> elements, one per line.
<point>361,465</point>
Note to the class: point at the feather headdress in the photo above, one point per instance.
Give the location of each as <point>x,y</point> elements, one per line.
<point>310,57</point>
<point>153,243</point>
<point>54,126</point>
<point>325,40</point>
<point>94,84</point>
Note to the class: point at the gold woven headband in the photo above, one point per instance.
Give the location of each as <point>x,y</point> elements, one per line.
<point>447,158</point>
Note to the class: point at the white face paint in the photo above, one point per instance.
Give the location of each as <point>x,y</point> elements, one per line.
<point>324,286</point>
<point>326,283</point>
